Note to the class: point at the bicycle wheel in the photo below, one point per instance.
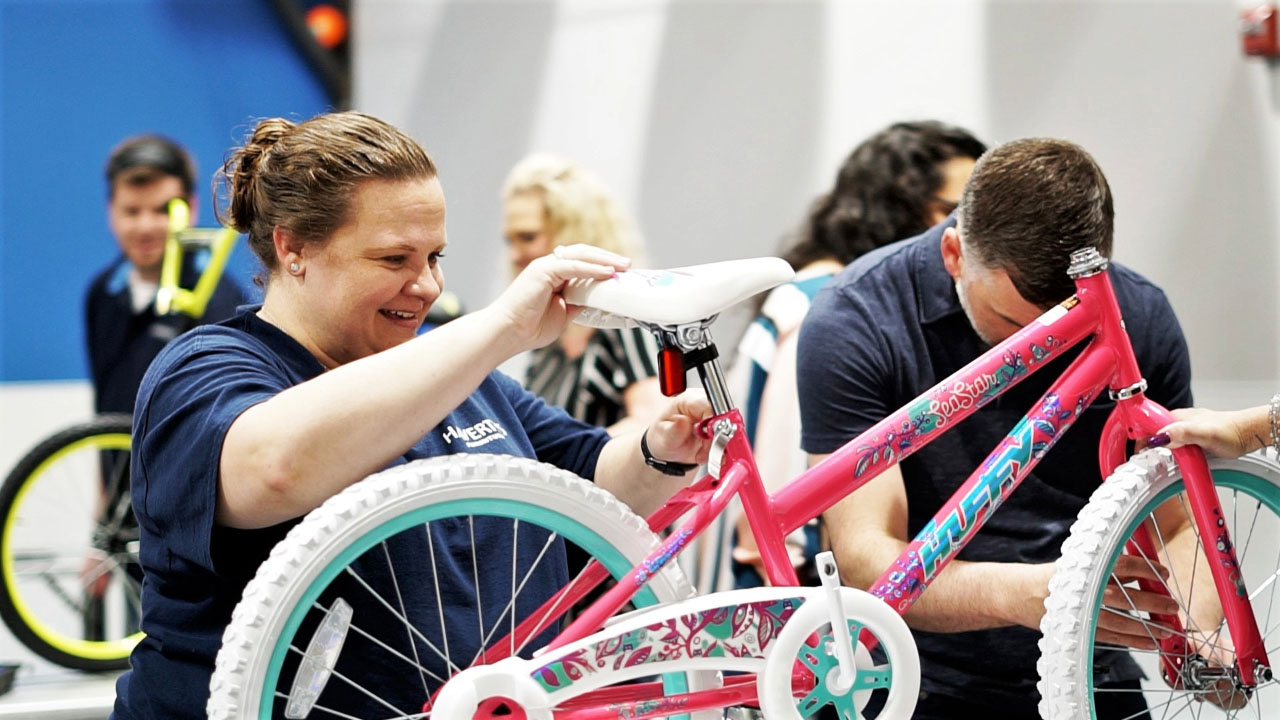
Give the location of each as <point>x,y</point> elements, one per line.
<point>1249,491</point>
<point>69,548</point>
<point>303,595</point>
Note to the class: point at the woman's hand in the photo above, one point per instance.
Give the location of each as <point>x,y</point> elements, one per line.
<point>1222,434</point>
<point>673,437</point>
<point>533,306</point>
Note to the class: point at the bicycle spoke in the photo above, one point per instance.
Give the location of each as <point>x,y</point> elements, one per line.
<point>321,708</point>
<point>335,713</point>
<point>1175,592</point>
<point>1147,624</point>
<point>515,545</point>
<point>1195,565</point>
<point>555,606</point>
<point>511,604</point>
<point>435,579</point>
<point>404,614</point>
<point>1270,630</point>
<point>132,588</point>
<point>1253,524</point>
<point>1271,581</point>
<point>415,631</point>
<point>1173,570</point>
<point>475,581</point>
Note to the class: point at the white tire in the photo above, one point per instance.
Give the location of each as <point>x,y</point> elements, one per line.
<point>1249,490</point>
<point>269,605</point>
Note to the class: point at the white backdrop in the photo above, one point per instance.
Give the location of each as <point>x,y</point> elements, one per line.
<point>717,122</point>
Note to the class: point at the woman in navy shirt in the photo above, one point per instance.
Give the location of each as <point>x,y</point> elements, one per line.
<point>241,428</point>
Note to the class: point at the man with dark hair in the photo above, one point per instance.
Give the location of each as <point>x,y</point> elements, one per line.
<point>123,333</point>
<point>899,320</point>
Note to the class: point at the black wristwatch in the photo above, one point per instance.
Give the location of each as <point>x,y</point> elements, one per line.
<point>663,466</point>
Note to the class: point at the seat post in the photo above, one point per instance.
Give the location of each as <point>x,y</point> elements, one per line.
<point>699,349</point>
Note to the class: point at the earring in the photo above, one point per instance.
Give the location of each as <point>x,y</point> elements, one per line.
<point>294,268</point>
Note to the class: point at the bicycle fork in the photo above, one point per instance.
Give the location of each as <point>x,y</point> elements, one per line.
<point>1181,666</point>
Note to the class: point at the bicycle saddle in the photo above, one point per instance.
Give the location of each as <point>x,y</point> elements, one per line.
<point>676,296</point>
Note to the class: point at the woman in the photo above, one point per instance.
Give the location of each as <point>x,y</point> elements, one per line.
<point>245,426</point>
<point>896,184</point>
<point>604,377</point>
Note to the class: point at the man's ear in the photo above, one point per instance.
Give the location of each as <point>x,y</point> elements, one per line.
<point>952,252</point>
<point>194,208</point>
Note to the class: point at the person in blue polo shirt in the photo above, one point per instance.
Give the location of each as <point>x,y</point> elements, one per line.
<point>243,427</point>
<point>902,318</point>
<point>123,332</point>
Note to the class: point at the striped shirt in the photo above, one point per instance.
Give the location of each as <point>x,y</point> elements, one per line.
<point>591,386</point>
<point>780,315</point>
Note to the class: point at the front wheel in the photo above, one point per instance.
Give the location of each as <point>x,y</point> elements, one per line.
<point>412,575</point>
<point>1081,676</point>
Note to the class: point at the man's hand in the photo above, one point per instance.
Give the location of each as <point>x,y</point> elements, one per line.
<point>1118,623</point>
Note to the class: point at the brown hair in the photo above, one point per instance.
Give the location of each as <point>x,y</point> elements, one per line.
<point>1028,205</point>
<point>301,177</point>
<point>144,159</point>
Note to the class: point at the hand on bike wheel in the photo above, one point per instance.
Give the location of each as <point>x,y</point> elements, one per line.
<point>1121,625</point>
<point>533,305</point>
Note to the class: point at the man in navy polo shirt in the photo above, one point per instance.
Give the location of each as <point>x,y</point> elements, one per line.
<point>897,321</point>
<point>123,333</point>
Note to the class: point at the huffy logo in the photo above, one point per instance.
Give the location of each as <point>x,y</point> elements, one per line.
<point>482,433</point>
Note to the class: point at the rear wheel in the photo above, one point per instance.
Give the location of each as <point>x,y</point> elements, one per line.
<point>1138,491</point>
<point>68,548</point>
<point>347,618</point>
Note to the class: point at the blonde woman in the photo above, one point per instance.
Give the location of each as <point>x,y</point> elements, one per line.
<point>604,377</point>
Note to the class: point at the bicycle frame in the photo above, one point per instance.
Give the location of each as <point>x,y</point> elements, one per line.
<point>170,297</point>
<point>1106,362</point>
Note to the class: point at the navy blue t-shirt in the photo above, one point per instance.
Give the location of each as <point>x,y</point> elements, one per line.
<point>195,569</point>
<point>888,328</point>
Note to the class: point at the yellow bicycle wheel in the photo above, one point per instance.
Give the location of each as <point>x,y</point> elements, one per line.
<point>68,548</point>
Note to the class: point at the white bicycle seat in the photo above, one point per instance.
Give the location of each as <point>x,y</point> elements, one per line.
<point>676,296</point>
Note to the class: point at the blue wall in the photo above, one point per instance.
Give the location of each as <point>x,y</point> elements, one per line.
<point>76,77</point>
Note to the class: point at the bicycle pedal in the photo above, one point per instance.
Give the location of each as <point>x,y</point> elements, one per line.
<point>742,712</point>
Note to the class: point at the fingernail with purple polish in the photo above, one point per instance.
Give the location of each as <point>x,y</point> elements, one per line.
<point>1159,440</point>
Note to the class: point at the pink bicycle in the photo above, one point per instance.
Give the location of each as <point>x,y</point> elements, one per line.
<point>646,648</point>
